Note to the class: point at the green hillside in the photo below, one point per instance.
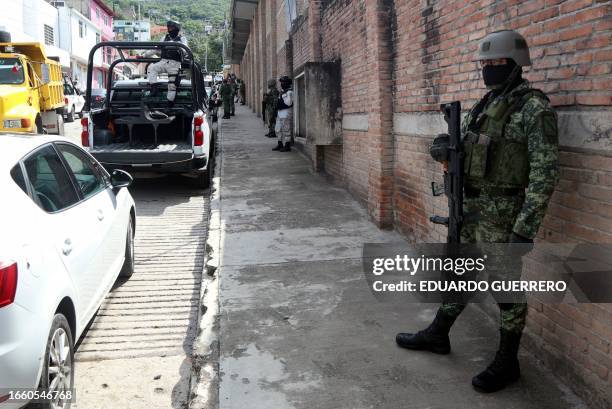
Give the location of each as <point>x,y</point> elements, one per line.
<point>193,16</point>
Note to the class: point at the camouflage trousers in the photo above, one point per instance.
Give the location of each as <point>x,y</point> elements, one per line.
<point>494,218</point>
<point>271,120</point>
<point>226,106</point>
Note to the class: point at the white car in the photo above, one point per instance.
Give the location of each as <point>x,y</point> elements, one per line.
<point>73,102</point>
<point>67,234</point>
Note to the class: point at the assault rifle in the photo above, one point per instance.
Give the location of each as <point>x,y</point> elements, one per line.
<point>453,176</point>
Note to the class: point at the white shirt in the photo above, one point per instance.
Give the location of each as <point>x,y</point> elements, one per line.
<point>288,99</point>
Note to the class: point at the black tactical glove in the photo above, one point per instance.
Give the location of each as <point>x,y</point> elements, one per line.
<point>439,148</point>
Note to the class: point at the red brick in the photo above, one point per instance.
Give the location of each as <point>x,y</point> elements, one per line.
<point>575,32</point>
<point>594,99</point>
<point>573,5</point>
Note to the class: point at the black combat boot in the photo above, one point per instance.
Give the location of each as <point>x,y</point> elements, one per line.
<point>287,147</point>
<point>505,367</point>
<point>271,135</point>
<point>279,146</point>
<point>433,338</point>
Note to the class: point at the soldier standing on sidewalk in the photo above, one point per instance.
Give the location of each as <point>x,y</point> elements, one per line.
<point>511,138</point>
<point>226,95</point>
<point>232,84</point>
<point>284,116</point>
<point>242,92</point>
<point>270,99</point>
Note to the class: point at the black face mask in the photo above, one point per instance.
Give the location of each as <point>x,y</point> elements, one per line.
<point>173,32</point>
<point>494,75</point>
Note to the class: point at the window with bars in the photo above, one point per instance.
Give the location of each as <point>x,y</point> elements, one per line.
<point>49,37</point>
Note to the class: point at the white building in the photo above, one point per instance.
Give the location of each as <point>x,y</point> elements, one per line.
<point>35,21</point>
<point>78,36</point>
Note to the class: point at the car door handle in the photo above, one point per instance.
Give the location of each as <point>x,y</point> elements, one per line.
<point>67,247</point>
<point>100,215</point>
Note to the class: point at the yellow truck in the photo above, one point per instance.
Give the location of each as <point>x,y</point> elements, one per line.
<point>31,90</point>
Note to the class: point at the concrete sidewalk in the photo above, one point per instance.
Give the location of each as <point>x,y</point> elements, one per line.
<point>298,325</point>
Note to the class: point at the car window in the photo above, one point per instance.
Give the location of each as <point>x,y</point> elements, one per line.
<point>51,184</point>
<point>90,178</point>
<point>18,178</point>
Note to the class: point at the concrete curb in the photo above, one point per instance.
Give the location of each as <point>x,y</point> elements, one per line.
<point>204,382</point>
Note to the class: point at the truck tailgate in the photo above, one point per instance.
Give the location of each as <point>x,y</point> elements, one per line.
<point>140,153</point>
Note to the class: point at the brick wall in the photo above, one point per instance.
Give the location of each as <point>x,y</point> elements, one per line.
<point>571,54</point>
<point>400,59</point>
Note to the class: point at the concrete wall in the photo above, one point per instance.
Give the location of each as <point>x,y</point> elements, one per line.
<point>399,60</point>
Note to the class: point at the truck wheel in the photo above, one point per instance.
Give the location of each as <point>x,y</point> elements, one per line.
<point>39,126</point>
<point>202,181</point>
<point>70,116</point>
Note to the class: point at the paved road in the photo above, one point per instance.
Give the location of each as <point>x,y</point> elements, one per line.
<point>136,353</point>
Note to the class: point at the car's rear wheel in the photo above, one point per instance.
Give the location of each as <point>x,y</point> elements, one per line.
<point>58,370</point>
<point>203,179</point>
<point>128,265</point>
<point>70,116</point>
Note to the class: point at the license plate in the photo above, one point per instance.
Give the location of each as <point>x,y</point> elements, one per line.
<point>12,123</point>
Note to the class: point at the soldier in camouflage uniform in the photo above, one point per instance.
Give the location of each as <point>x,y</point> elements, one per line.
<point>270,99</point>
<point>227,95</point>
<point>511,168</point>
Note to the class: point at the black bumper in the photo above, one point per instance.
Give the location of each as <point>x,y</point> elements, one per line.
<point>192,165</point>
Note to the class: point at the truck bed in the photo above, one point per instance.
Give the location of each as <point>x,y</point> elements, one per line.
<point>142,153</point>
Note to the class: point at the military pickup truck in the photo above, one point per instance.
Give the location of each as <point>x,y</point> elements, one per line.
<point>138,131</point>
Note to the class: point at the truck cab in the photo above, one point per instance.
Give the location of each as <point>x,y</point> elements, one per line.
<point>31,90</point>
<point>138,131</point>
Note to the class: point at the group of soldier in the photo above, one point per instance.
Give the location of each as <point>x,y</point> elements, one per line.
<point>231,90</point>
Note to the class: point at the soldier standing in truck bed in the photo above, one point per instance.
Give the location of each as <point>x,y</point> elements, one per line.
<point>511,168</point>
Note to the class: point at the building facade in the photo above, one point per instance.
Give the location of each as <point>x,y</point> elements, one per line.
<point>36,21</point>
<point>102,17</point>
<point>79,36</point>
<point>369,76</point>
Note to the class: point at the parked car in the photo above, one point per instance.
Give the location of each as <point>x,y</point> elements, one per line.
<point>67,234</point>
<point>98,97</point>
<point>73,102</point>
<point>140,130</point>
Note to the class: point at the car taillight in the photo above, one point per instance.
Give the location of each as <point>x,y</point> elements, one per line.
<point>85,132</point>
<point>198,135</point>
<point>8,283</point>
<point>65,101</point>
<point>26,122</point>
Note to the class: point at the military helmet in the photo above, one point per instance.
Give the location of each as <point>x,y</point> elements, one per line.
<point>504,44</point>
<point>173,23</point>
<point>271,83</point>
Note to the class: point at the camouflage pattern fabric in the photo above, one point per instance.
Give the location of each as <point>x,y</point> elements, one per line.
<point>497,216</point>
<point>226,95</point>
<point>270,99</point>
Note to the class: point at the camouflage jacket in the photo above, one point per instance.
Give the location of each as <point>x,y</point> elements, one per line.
<point>226,91</point>
<point>536,126</point>
<point>270,98</point>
